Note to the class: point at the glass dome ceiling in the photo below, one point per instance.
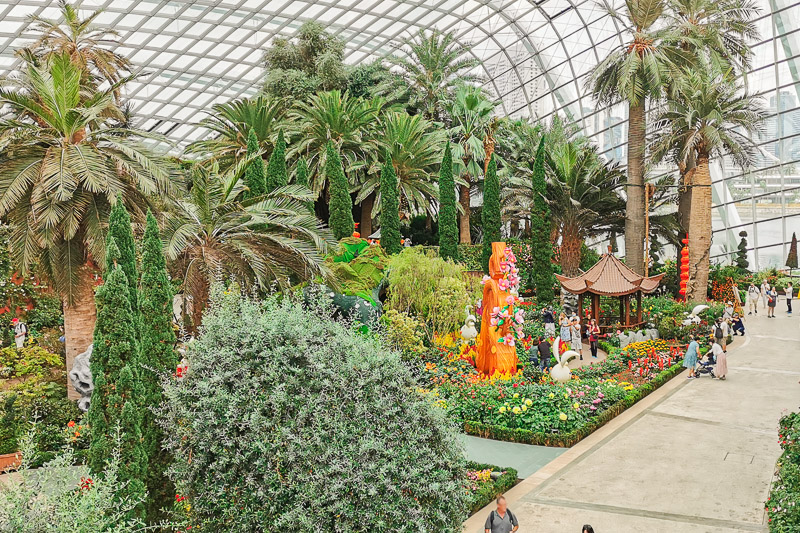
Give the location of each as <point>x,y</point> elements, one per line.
<point>534,56</point>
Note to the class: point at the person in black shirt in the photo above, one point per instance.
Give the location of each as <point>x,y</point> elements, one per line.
<point>549,322</point>
<point>544,354</point>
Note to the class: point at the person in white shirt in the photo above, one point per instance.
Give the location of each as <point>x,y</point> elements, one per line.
<point>20,332</point>
<point>720,332</point>
<point>753,294</point>
<point>764,294</point>
<point>789,293</point>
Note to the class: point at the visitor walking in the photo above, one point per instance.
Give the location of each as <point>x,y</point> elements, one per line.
<point>545,352</point>
<point>501,520</point>
<point>720,361</point>
<point>720,332</point>
<point>737,324</point>
<point>594,336</point>
<point>563,323</point>
<point>549,322</point>
<point>772,301</point>
<point>753,294</point>
<point>690,359</point>
<point>575,335</point>
<point>764,294</point>
<point>789,295</point>
<point>20,332</point>
<point>587,529</point>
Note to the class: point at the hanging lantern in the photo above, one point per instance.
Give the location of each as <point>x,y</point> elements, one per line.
<point>684,266</point>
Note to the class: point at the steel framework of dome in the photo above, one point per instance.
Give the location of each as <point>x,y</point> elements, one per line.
<point>534,57</point>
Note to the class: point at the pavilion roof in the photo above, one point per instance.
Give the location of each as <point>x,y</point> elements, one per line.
<point>610,277</point>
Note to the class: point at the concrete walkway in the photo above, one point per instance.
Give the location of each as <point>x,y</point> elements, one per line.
<point>524,458</point>
<point>695,456</point>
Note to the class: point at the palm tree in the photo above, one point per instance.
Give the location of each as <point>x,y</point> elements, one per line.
<point>634,72</point>
<point>584,196</point>
<point>471,113</point>
<point>436,64</point>
<point>719,32</point>
<point>86,45</point>
<point>231,122</point>
<point>63,162</point>
<point>415,152</point>
<point>708,116</point>
<point>259,241</point>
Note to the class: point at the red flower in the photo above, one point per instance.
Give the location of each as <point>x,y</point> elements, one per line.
<point>71,424</point>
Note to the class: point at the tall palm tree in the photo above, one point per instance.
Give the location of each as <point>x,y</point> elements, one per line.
<point>436,64</point>
<point>90,48</point>
<point>584,195</point>
<point>231,122</point>
<point>258,241</point>
<point>415,152</point>
<point>718,31</point>
<point>471,114</point>
<point>634,72</point>
<point>707,116</point>
<point>62,163</point>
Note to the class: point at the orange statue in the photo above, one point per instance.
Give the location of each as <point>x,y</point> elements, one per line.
<point>500,324</point>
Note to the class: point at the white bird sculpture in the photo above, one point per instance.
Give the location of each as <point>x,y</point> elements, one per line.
<point>561,371</point>
<point>468,331</point>
<point>694,316</point>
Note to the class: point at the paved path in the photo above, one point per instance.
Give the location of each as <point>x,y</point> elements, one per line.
<point>696,456</point>
<point>524,458</point>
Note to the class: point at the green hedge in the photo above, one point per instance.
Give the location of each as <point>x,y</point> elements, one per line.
<point>567,440</point>
<point>782,506</point>
<point>486,494</point>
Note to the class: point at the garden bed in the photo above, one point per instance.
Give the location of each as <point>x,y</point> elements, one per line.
<point>484,488</point>
<point>782,506</point>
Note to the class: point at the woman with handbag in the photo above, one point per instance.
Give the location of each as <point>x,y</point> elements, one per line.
<point>594,336</point>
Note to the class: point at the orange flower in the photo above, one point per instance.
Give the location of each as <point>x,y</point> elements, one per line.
<point>71,424</point>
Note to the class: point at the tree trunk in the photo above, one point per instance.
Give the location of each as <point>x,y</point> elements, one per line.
<point>571,251</point>
<point>699,233</point>
<point>365,227</point>
<point>79,319</point>
<point>634,209</point>
<point>463,218</point>
<point>685,202</point>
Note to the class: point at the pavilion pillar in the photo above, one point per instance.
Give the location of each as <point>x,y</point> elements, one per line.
<point>580,312</point>
<point>639,307</point>
<point>622,310</point>
<point>627,309</point>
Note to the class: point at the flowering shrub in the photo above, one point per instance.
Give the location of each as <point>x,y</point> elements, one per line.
<point>287,418</point>
<point>783,505</point>
<point>63,498</point>
<point>482,488</point>
<point>29,361</point>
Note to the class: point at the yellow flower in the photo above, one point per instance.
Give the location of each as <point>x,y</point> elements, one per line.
<point>528,402</point>
<point>551,396</point>
<point>502,409</point>
<point>516,395</point>
<point>524,407</point>
<point>562,416</point>
<point>516,410</point>
<point>566,395</point>
<point>576,405</point>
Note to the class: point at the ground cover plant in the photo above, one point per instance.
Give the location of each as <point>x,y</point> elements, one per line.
<point>783,505</point>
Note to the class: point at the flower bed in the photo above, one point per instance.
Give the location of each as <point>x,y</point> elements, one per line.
<point>783,505</point>
<point>530,408</point>
<point>483,488</point>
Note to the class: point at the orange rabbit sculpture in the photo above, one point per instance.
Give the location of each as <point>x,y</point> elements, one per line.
<point>500,324</point>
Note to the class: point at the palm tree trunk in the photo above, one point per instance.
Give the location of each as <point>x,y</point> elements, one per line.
<point>634,209</point>
<point>365,227</point>
<point>79,319</point>
<point>571,251</point>
<point>685,202</point>
<point>463,218</point>
<point>699,232</point>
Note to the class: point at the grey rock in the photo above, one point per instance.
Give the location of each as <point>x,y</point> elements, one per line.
<point>81,378</point>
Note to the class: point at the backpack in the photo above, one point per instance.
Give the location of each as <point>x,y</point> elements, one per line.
<point>718,331</point>
<point>511,517</point>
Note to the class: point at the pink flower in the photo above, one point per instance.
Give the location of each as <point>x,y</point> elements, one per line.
<point>508,340</point>
<point>485,279</point>
<point>510,299</point>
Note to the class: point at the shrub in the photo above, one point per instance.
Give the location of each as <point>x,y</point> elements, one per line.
<point>485,490</point>
<point>428,287</point>
<point>287,420</point>
<point>782,506</point>
<point>31,360</point>
<point>404,333</point>
<point>541,274</point>
<point>255,176</point>
<point>340,219</point>
<point>62,498</point>
<point>277,175</point>
<point>490,214</point>
<point>448,215</point>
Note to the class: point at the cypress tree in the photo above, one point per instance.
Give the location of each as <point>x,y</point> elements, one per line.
<point>340,219</point>
<point>157,354</point>
<point>541,248</point>
<point>490,214</point>
<point>791,260</point>
<point>741,252</point>
<point>277,176</point>
<point>448,215</point>
<point>390,209</point>
<point>254,175</point>
<point>119,228</point>
<point>301,178</point>
<point>117,395</point>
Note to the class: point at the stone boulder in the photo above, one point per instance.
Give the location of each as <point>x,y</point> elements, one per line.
<point>81,378</point>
